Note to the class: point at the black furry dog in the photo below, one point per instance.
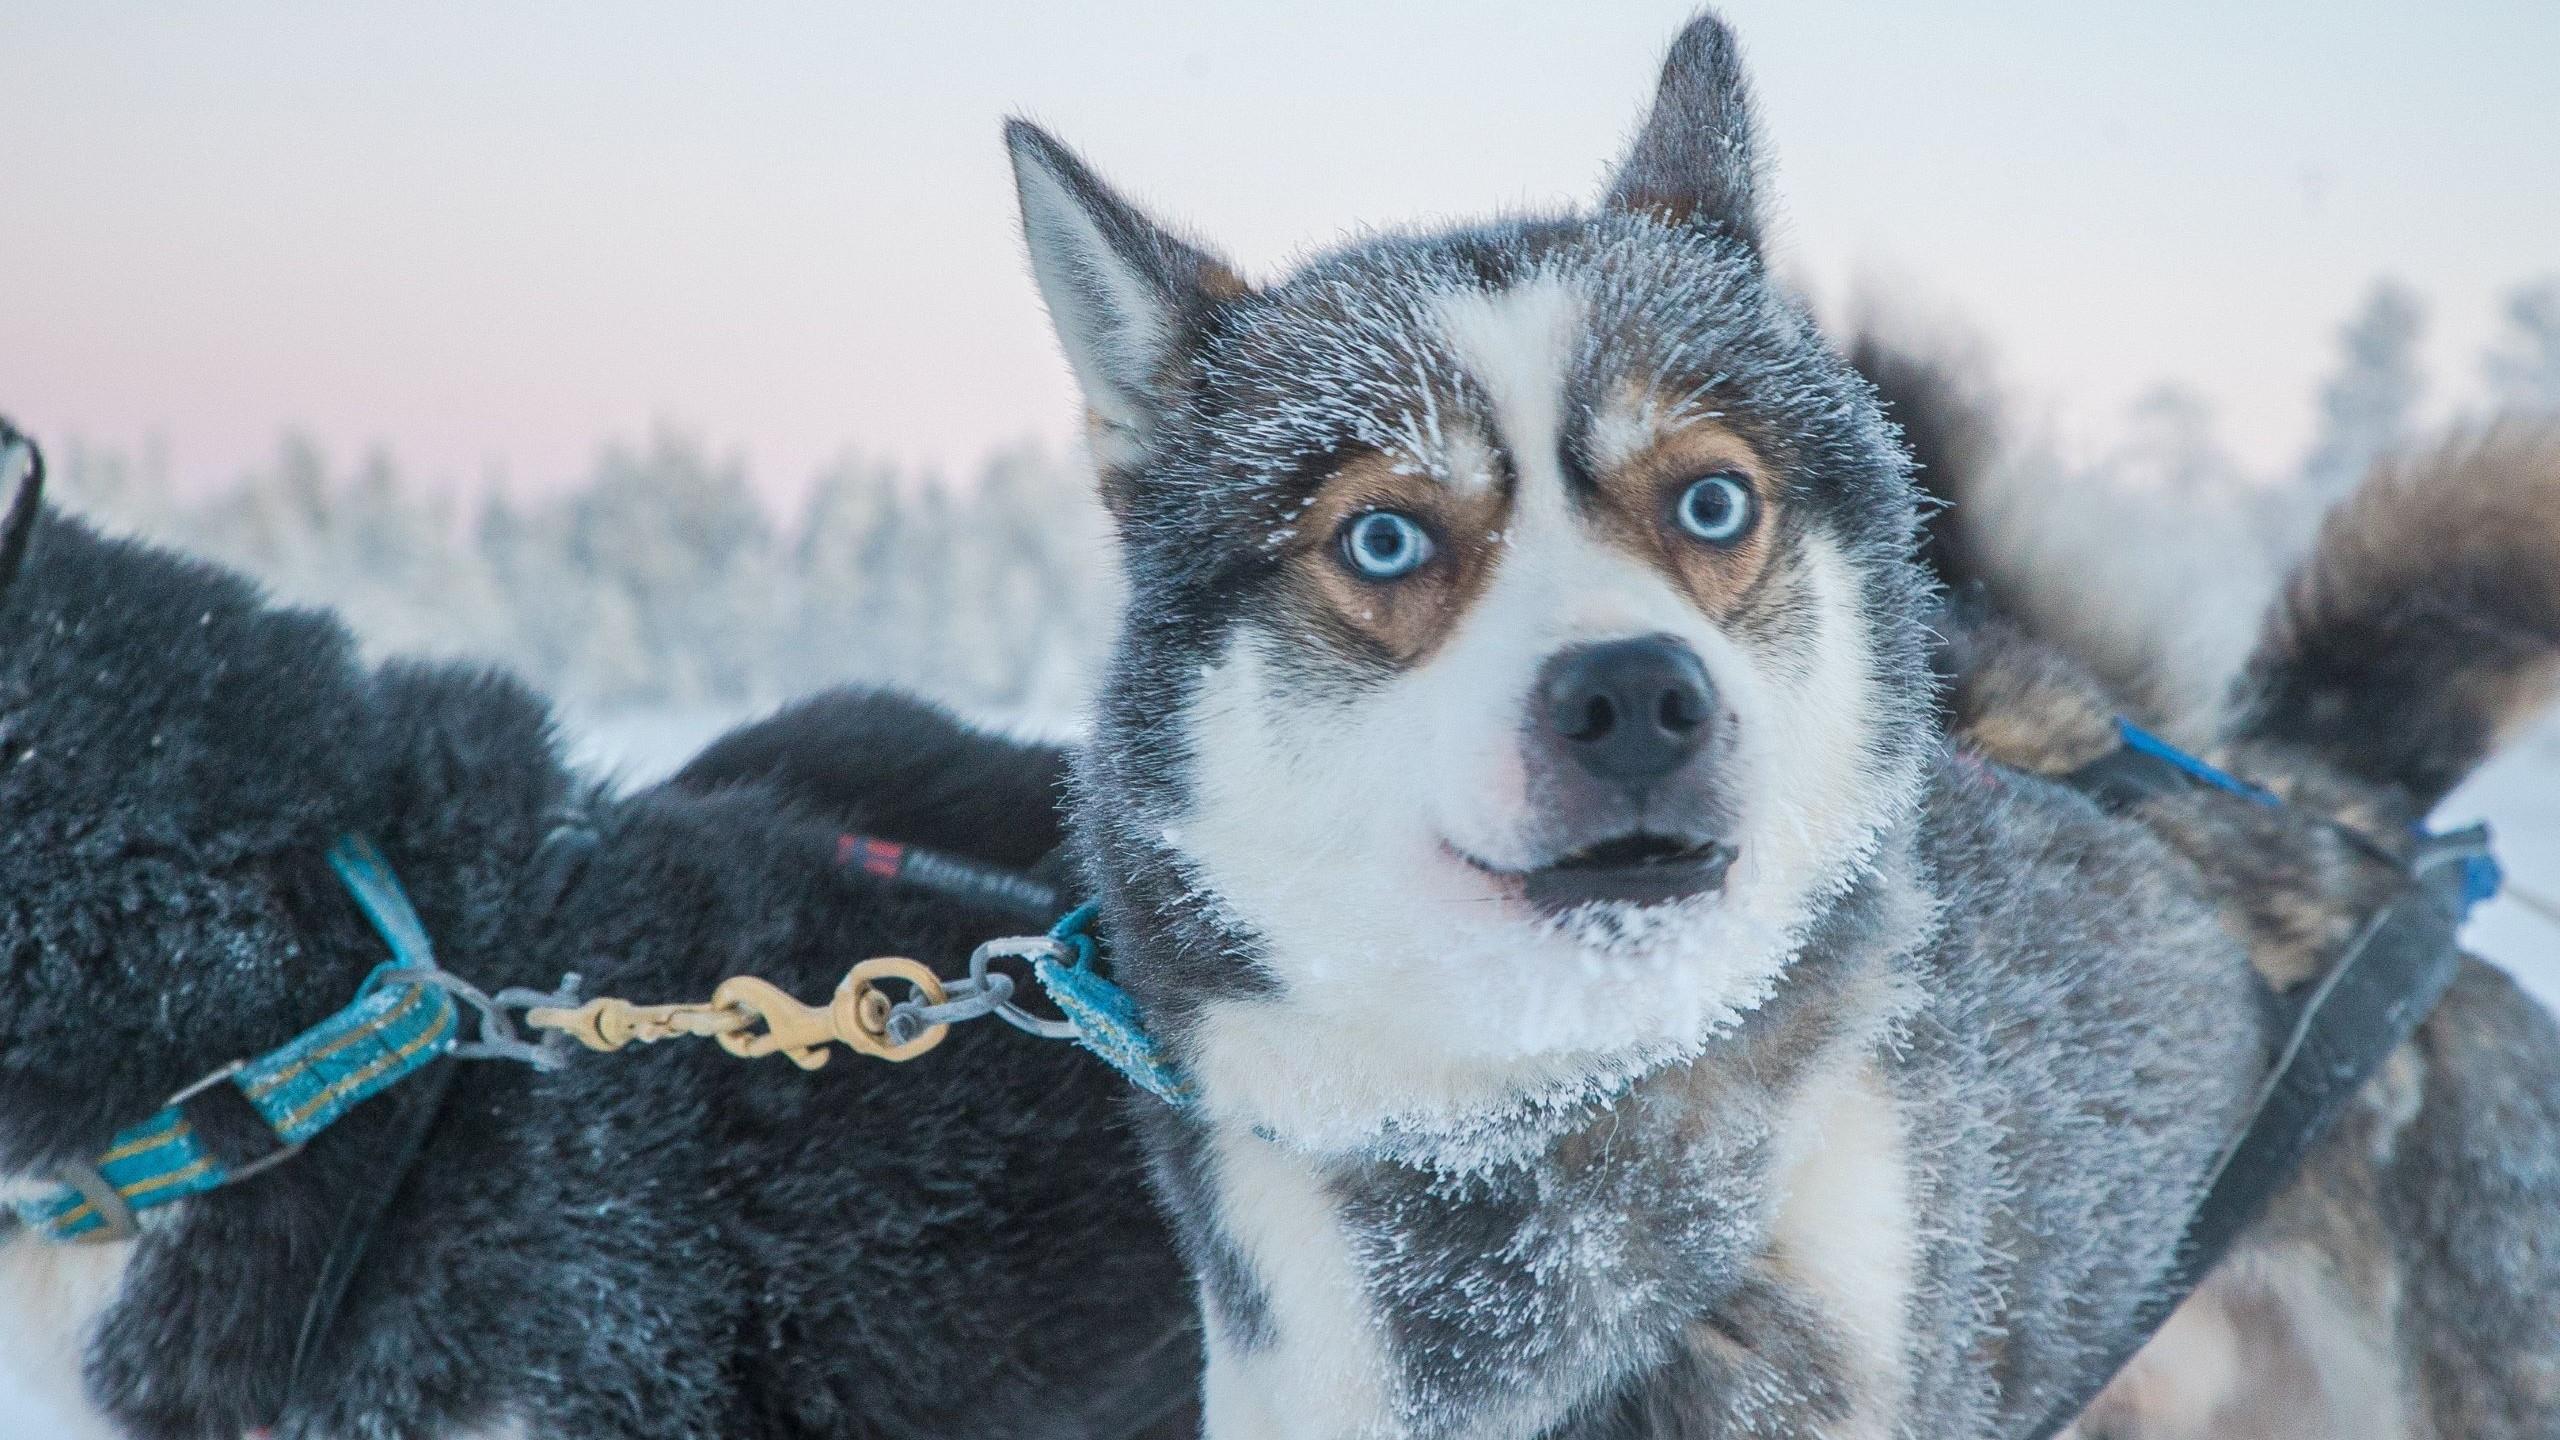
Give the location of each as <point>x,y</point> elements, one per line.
<point>662,1242</point>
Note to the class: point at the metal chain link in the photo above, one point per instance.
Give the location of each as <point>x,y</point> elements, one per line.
<point>988,991</point>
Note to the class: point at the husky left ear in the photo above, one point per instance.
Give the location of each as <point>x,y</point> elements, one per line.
<point>20,527</point>
<point>1126,295</point>
<point>1694,160</point>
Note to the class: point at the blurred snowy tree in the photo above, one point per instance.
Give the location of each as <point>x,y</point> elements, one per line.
<point>679,565</point>
<point>844,574</point>
<point>2524,368</point>
<point>2370,403</point>
<point>662,580</point>
<point>2171,447</point>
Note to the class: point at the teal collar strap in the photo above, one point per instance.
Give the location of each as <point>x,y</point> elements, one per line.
<point>396,1026</point>
<point>1106,1020</point>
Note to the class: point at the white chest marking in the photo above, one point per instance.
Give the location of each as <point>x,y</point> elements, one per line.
<point>1322,1376</point>
<point>50,1297</point>
<point>1844,1231</point>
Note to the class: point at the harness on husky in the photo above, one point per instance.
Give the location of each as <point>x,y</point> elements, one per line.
<point>406,1015</point>
<point>2370,1000</point>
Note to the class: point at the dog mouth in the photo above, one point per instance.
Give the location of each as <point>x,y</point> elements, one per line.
<point>1641,868</point>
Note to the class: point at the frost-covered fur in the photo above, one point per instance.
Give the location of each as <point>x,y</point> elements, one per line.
<point>666,1242</point>
<point>2406,1283</point>
<point>1887,1134</point>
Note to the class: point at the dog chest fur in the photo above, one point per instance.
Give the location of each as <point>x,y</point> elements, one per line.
<point>1845,1230</point>
<point>1392,1297</point>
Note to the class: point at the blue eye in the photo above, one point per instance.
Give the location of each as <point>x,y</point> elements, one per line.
<point>1717,509</point>
<point>1385,545</point>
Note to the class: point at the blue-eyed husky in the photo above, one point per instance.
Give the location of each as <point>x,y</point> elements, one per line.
<point>1518,803</point>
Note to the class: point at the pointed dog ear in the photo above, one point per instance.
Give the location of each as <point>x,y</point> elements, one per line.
<point>1694,161</point>
<point>20,526</point>
<point>1126,295</point>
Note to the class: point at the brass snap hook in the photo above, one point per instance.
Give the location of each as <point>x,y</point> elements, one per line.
<point>857,1018</point>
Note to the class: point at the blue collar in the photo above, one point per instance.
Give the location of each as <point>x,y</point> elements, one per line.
<point>1106,1020</point>
<point>395,1026</point>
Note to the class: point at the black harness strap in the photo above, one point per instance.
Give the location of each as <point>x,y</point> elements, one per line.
<point>2368,1003</point>
<point>557,865</point>
<point>358,1219</point>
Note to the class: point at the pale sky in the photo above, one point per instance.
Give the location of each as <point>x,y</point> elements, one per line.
<point>491,236</point>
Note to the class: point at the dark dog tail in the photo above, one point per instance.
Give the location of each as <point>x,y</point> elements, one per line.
<point>2423,629</point>
<point>20,527</point>
<point>1948,422</point>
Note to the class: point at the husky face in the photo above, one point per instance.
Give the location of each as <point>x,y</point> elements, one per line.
<point>1520,648</point>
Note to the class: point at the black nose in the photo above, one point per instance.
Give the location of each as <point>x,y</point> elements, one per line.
<point>1630,710</point>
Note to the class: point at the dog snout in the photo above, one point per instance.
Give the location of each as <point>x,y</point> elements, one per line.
<point>1629,711</point>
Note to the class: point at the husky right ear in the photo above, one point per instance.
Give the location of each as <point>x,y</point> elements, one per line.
<point>1125,294</point>
<point>1694,161</point>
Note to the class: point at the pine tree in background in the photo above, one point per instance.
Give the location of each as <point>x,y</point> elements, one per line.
<point>2369,404</point>
<point>676,554</point>
<point>2524,367</point>
<point>843,564</point>
<point>2172,447</point>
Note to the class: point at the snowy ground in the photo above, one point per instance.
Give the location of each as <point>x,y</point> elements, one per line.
<point>637,747</point>
<point>2519,796</point>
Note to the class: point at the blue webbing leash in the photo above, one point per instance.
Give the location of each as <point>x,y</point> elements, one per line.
<point>1106,1019</point>
<point>405,1016</point>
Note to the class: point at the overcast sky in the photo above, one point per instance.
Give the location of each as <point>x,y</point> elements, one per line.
<point>492,235</point>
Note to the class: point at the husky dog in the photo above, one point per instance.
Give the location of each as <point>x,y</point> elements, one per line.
<point>1517,802</point>
<point>665,1242</point>
<point>2407,1283</point>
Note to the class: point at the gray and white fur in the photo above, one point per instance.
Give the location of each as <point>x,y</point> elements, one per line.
<point>1719,1056</point>
<point>2406,1283</point>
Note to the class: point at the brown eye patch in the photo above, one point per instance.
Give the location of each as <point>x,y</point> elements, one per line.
<point>1635,505</point>
<point>1400,621</point>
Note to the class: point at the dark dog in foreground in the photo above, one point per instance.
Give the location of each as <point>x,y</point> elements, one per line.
<point>665,1242</point>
